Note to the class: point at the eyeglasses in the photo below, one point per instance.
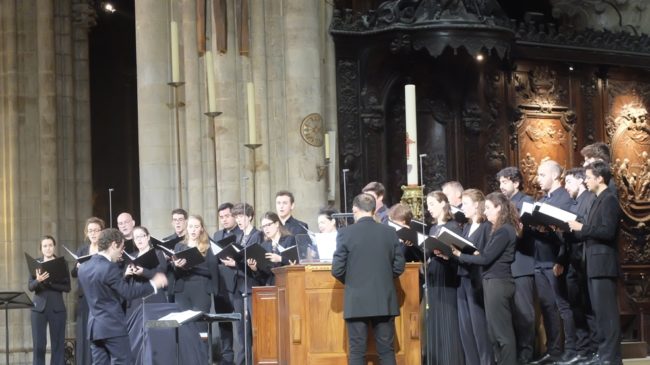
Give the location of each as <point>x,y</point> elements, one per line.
<point>94,230</point>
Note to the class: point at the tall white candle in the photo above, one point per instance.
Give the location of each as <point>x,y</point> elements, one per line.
<point>250,91</point>
<point>331,194</point>
<point>327,145</point>
<point>174,51</point>
<point>411,135</point>
<point>210,75</point>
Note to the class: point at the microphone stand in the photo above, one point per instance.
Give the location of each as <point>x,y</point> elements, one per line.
<point>245,293</point>
<point>345,192</point>
<point>110,207</point>
<point>425,268</point>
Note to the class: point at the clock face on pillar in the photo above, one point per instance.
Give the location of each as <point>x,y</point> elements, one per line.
<point>311,129</point>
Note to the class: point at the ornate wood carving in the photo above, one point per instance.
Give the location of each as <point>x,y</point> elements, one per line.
<point>589,92</point>
<point>350,134</point>
<point>545,129</point>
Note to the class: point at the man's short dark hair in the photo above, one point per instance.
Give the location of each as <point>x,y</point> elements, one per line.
<point>513,174</point>
<point>376,187</point>
<point>180,211</point>
<point>600,168</point>
<point>598,150</point>
<point>285,193</point>
<point>365,202</point>
<point>225,206</point>
<point>243,209</point>
<point>577,172</point>
<point>107,237</point>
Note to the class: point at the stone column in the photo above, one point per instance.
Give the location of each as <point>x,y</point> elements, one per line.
<point>83,18</point>
<point>302,87</point>
<point>155,118</point>
<point>47,117</point>
<point>229,127</point>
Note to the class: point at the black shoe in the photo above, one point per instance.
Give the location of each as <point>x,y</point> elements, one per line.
<point>592,360</point>
<point>546,359</point>
<point>571,360</point>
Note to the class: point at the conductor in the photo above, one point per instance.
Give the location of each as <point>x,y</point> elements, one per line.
<point>105,288</point>
<point>366,260</point>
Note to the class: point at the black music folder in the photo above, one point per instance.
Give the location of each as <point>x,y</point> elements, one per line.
<point>258,253</point>
<point>289,253</point>
<point>453,239</point>
<point>543,214</point>
<point>169,244</point>
<point>191,255</point>
<point>432,243</point>
<point>148,260</point>
<point>226,247</point>
<point>57,267</point>
<point>80,259</point>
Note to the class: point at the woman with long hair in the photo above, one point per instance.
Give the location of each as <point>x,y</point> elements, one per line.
<point>48,309</point>
<point>442,283</point>
<point>471,314</point>
<point>275,236</point>
<point>498,284</point>
<point>196,285</point>
<point>92,229</point>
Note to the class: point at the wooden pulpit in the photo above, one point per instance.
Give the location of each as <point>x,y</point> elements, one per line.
<point>300,320</point>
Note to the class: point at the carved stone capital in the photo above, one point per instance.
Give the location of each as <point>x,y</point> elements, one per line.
<point>84,14</point>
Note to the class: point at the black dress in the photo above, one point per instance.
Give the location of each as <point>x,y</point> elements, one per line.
<point>443,334</point>
<point>82,346</point>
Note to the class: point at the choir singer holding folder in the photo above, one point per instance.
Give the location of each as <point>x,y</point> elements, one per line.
<point>367,259</point>
<point>105,289</point>
<point>498,284</point>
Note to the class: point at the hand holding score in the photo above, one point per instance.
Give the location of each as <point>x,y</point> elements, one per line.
<point>41,276</point>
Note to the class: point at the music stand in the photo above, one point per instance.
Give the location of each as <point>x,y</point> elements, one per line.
<point>12,300</point>
<point>216,317</point>
<point>202,317</point>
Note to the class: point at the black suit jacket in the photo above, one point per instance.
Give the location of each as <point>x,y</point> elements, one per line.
<point>547,244</point>
<point>105,289</point>
<point>573,249</point>
<point>366,260</point>
<point>295,226</point>
<point>599,234</point>
<point>524,264</point>
<point>48,294</point>
<point>264,276</point>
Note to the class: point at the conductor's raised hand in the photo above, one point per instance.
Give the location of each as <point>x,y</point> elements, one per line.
<point>159,280</point>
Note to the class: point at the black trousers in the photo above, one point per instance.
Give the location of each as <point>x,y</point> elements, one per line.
<point>583,316</point>
<point>473,326</point>
<point>546,284</point>
<point>56,321</point>
<point>499,298</point>
<point>604,301</point>
<point>524,316</point>
<point>384,330</point>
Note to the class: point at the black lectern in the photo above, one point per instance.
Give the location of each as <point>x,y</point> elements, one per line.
<point>12,300</point>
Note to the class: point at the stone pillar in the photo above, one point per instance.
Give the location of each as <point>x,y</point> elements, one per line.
<point>47,117</point>
<point>157,142</point>
<point>83,18</point>
<point>302,87</point>
<point>229,127</point>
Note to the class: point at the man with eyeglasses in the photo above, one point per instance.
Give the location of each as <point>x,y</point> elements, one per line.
<point>179,222</point>
<point>125,224</point>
